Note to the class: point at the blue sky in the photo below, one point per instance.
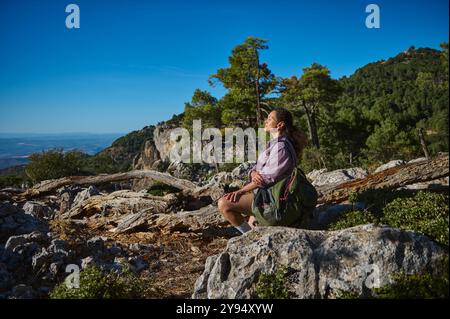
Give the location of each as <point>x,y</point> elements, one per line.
<point>135,63</point>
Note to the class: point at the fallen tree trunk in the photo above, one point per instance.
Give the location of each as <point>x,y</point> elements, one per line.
<point>389,179</point>
<point>392,178</point>
<point>49,186</point>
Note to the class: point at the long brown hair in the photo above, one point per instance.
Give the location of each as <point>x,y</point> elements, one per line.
<point>296,136</point>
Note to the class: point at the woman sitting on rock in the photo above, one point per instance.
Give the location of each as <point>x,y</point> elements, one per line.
<point>274,164</point>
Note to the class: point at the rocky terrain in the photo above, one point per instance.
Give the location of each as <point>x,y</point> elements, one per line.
<point>180,241</point>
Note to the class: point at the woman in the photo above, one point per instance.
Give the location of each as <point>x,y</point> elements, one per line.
<point>274,164</point>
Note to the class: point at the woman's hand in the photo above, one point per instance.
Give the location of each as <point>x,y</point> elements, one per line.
<point>257,178</point>
<point>233,196</point>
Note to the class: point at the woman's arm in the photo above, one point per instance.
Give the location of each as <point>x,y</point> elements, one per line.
<point>279,164</point>
<point>234,196</point>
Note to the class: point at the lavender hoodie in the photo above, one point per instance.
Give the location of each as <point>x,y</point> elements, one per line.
<point>277,161</point>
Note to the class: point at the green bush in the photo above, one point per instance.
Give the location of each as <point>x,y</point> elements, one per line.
<point>353,218</point>
<point>426,213</point>
<point>53,164</point>
<point>161,189</point>
<point>424,286</point>
<point>94,284</point>
<point>12,181</point>
<point>101,164</point>
<point>272,286</point>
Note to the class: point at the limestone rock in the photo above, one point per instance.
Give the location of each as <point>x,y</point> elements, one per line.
<point>389,165</point>
<point>320,264</point>
<point>338,176</point>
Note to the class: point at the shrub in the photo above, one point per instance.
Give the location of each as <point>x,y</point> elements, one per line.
<point>12,181</point>
<point>414,286</point>
<point>94,284</point>
<point>426,213</point>
<point>53,164</point>
<point>101,163</point>
<point>161,189</point>
<point>353,218</point>
<point>272,286</point>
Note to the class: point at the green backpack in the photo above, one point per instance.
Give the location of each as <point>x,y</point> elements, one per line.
<point>289,202</point>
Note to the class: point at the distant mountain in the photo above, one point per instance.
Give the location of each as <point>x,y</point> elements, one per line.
<point>15,148</point>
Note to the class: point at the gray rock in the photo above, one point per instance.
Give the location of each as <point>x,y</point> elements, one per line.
<point>14,221</point>
<point>38,209</point>
<point>138,247</point>
<point>55,268</point>
<point>339,176</point>
<point>389,165</point>
<point>417,160</point>
<point>315,173</point>
<point>88,261</point>
<point>85,194</point>
<point>181,170</point>
<point>320,264</point>
<point>137,264</point>
<point>40,259</point>
<point>96,243</point>
<point>242,170</point>
<point>440,184</point>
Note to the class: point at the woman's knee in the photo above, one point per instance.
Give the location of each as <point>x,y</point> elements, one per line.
<point>222,205</point>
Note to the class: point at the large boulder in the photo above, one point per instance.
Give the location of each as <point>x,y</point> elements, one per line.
<point>388,165</point>
<point>338,176</point>
<point>320,264</point>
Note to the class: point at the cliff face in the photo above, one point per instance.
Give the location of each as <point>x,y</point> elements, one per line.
<point>157,148</point>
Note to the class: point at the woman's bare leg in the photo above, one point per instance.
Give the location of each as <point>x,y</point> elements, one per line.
<point>233,212</point>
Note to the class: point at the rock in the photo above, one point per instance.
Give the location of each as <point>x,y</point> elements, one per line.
<point>440,184</point>
<point>148,157</point>
<point>315,173</point>
<point>55,268</point>
<point>137,264</point>
<point>114,250</point>
<point>16,241</point>
<point>162,140</point>
<point>96,244</point>
<point>40,259</point>
<point>88,261</point>
<point>66,196</point>
<point>138,247</point>
<point>389,165</point>
<point>181,170</point>
<point>85,194</point>
<point>14,221</point>
<point>338,176</point>
<point>417,160</point>
<point>320,264</point>
<point>38,209</point>
<point>242,170</point>
<point>201,284</point>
